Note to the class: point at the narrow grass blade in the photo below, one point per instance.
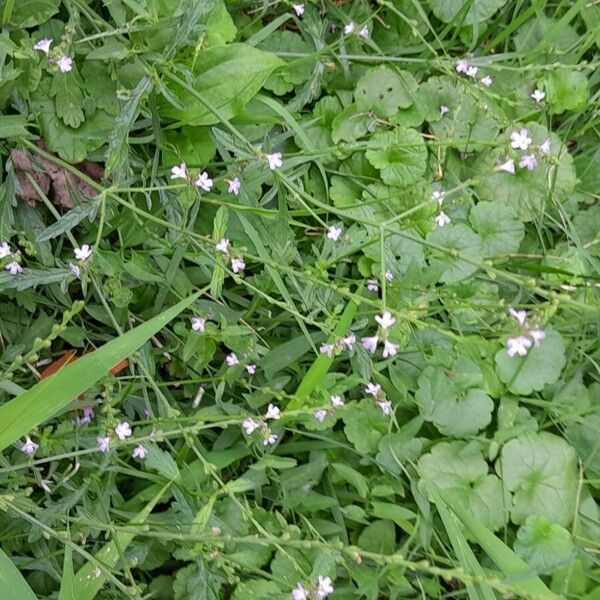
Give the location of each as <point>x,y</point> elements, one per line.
<point>12,583</point>
<point>45,399</point>
<point>67,583</point>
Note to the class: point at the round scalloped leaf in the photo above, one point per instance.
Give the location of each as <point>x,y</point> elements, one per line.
<point>496,225</point>
<point>540,470</point>
<point>400,156</point>
<point>524,374</point>
<point>383,91</point>
<point>477,11</point>
<point>566,89</point>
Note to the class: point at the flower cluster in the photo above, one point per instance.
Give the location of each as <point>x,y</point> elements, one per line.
<point>343,343</point>
<point>62,61</point>
<point>519,345</point>
<point>323,588</point>
<point>522,140</point>
<point>369,343</point>
<point>13,266</point>
<point>237,262</point>
<point>463,66</point>
<point>250,425</point>
<point>350,28</point>
<point>441,218</point>
<point>122,431</point>
<point>374,390</point>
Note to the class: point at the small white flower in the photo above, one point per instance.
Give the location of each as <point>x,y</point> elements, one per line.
<point>372,285</point>
<point>327,349</point>
<point>65,64</point>
<point>461,66</point>
<point>385,406</point>
<point>333,233</point>
<point>250,425</point>
<point>519,315</point>
<point>83,253</point>
<point>29,446</point>
<point>14,268</point>
<point>442,219</point>
<point>364,32</point>
<point>237,264</point>
<point>103,443</point>
<point>438,196</point>
<point>545,147</point>
<point>198,323</point>
<point>140,452</point>
<point>518,346</point>
<point>349,341</point>
<point>336,400</point>
<point>179,172</point>
<point>204,182</point>
<point>320,415</point>
<point>43,45</point>
<point>234,186</point>
<point>123,430</point>
<point>487,81</point>
<point>298,9</point>
<point>5,250</point>
<point>471,71</point>
<point>528,161</point>
<point>251,369</point>
<point>508,166</point>
<point>370,343</point>
<point>325,587</point>
<point>389,275</point>
<point>537,335</point>
<point>269,439</point>
<point>386,320</point>
<point>444,110</point>
<point>520,139</point>
<point>275,160</point>
<point>222,245</point>
<point>389,349</point>
<point>373,389</point>
<point>299,592</point>
<point>75,270</point>
<point>273,412</point>
<point>349,28</point>
<point>232,360</point>
<point>538,96</point>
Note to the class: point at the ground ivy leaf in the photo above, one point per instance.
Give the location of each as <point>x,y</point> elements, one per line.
<point>400,156</point>
<point>351,124</point>
<point>461,239</point>
<point>364,426</point>
<point>379,536</point>
<point>566,89</point>
<point>543,545</point>
<point>478,11</point>
<point>383,91</point>
<point>500,231</point>
<point>523,374</point>
<point>540,469</point>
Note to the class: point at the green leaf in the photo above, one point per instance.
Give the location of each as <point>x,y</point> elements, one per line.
<point>29,13</point>
<point>258,589</point>
<point>49,396</point>
<point>584,438</point>
<point>12,583</point>
<point>364,426</point>
<point>476,11</point>
<point>566,89</point>
<point>353,477</point>
<point>543,365</point>
<point>543,545</point>
<point>67,583</point>
<point>70,220</point>
<point>500,231</point>
<point>227,77</point>
<point>400,156</point>
<point>541,471</point>
<point>68,99</point>
<point>384,91</point>
<point>13,126</point>
<point>351,124</point>
<point>379,536</point>
<point>162,462</point>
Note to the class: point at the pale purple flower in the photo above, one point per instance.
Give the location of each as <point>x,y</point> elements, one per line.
<point>232,360</point>
<point>83,253</point>
<point>545,147</point>
<point>29,446</point>
<point>487,81</point>
<point>5,250</point>
<point>204,182</point>
<point>386,320</point>
<point>234,186</point>
<point>373,389</point>
<point>298,9</point>
<point>75,270</point>
<point>222,245</point>
<point>14,268</point>
<point>269,438</point>
<point>349,28</point>
<point>389,349</point>
<point>327,349</point>
<point>250,425</point>
<point>444,110</point>
<point>372,285</point>
<point>251,369</point>
<point>471,71</point>
<point>237,264</point>
<point>385,406</point>
<point>333,233</point>
<point>389,275</point>
<point>324,587</point>
<point>438,196</point>
<point>273,412</point>
<point>65,64</point>
<point>538,96</point>
<point>140,452</point>
<point>519,315</point>
<point>349,341</point>
<point>43,45</point>
<point>320,415</point>
<point>508,166</point>
<point>370,343</point>
<point>300,592</point>
<point>520,139</point>
<point>179,172</point>
<point>123,430</point>
<point>88,415</point>
<point>537,335</point>
<point>103,444</point>
<point>198,323</point>
<point>336,400</point>
<point>528,161</point>
<point>275,160</point>
<point>461,66</point>
<point>364,32</point>
<point>442,219</point>
<point>518,346</point>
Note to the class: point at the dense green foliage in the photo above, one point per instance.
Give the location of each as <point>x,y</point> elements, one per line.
<point>349,253</point>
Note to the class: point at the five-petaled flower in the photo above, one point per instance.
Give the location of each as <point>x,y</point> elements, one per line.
<point>327,349</point>
<point>83,253</point>
<point>250,425</point>
<point>386,320</point>
<point>528,161</point>
<point>237,264</point>
<point>320,414</point>
<point>364,32</point>
<point>520,139</point>
<point>5,250</point>
<point>103,443</point>
<point>29,446</point>
<point>373,389</point>
<point>43,45</point>
<point>442,219</point>
<point>14,268</point>
<point>545,147</point>
<point>519,315</point>
<point>251,369</point>
<point>349,28</point>
<point>139,451</point>
<point>349,341</point>
<point>204,182</point>
<point>273,412</point>
<point>234,186</point>
<point>487,81</point>
<point>369,343</point>
<point>179,172</point>
<point>372,285</point>
<point>537,335</point>
<point>298,9</point>
<point>231,359</point>
<point>269,438</point>
<point>275,160</point>
<point>438,196</point>
<point>518,346</point>
<point>385,406</point>
<point>333,233</point>
<point>65,64</point>
<point>336,400</point>
<point>462,65</point>
<point>222,245</point>
<point>324,586</point>
<point>538,96</point>
<point>444,110</point>
<point>300,592</point>
<point>123,430</point>
<point>389,349</point>
<point>198,323</point>
<point>508,166</point>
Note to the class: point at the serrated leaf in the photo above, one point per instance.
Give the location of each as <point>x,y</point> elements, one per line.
<point>476,11</point>
<point>68,99</point>
<point>500,231</point>
<point>566,89</point>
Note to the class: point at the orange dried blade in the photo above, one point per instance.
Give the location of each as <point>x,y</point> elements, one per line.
<point>68,357</point>
<point>120,366</point>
